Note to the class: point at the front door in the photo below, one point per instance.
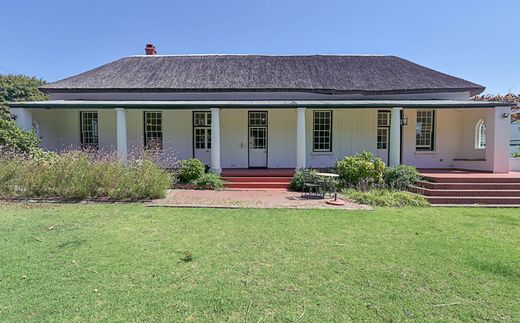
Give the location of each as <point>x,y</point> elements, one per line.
<point>202,136</point>
<point>257,138</point>
<point>383,135</point>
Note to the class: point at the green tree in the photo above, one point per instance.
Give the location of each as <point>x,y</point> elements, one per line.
<point>15,88</point>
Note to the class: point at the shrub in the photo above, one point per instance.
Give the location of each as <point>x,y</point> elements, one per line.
<point>190,170</point>
<point>401,177</point>
<point>298,178</point>
<point>208,181</point>
<point>362,171</point>
<point>18,88</point>
<point>516,154</point>
<point>75,175</point>
<point>383,197</point>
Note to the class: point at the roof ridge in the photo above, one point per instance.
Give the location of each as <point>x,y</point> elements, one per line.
<point>266,55</point>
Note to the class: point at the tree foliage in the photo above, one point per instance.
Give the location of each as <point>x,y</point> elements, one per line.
<point>510,97</point>
<point>15,88</point>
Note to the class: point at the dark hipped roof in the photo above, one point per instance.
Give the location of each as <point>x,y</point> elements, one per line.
<point>316,73</point>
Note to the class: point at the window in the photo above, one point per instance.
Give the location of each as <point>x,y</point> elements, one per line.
<point>383,127</point>
<point>153,136</point>
<point>424,131</point>
<point>383,119</point>
<point>202,130</point>
<point>89,130</point>
<point>382,138</point>
<point>480,135</point>
<point>322,131</point>
<point>257,118</point>
<point>202,119</point>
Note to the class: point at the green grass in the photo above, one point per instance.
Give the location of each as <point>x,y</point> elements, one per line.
<point>131,263</point>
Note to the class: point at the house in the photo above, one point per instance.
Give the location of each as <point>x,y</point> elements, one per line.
<point>260,111</point>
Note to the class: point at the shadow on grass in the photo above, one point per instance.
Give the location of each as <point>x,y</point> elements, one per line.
<point>508,270</point>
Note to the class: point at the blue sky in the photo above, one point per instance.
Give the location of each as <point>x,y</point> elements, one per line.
<point>474,39</point>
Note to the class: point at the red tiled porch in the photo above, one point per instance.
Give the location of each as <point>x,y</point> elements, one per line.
<point>467,187</point>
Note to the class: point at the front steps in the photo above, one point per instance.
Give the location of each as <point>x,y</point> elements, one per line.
<point>259,179</point>
<point>473,189</point>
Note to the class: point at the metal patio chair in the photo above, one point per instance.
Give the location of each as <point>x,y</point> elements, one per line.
<point>311,187</point>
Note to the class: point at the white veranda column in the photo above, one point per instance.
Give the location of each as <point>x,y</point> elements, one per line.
<point>498,123</point>
<point>23,118</point>
<point>300,138</point>
<point>122,143</point>
<point>215,140</point>
<point>395,137</point>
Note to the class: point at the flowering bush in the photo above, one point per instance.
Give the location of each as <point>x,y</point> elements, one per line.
<point>76,175</point>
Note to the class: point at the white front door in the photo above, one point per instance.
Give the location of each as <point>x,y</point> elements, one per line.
<point>202,137</point>
<point>257,139</point>
<point>383,135</point>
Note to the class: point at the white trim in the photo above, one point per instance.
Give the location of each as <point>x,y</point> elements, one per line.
<point>122,142</point>
<point>300,138</point>
<point>478,135</point>
<point>215,140</point>
<point>395,137</point>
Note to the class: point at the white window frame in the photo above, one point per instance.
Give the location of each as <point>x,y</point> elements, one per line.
<point>480,135</point>
<point>156,131</point>
<point>431,131</point>
<point>316,132</point>
<point>91,135</point>
<point>383,124</point>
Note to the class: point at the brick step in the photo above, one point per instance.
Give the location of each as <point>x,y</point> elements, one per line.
<point>466,200</point>
<point>470,179</point>
<point>278,179</point>
<point>469,186</point>
<point>465,193</point>
<point>257,185</point>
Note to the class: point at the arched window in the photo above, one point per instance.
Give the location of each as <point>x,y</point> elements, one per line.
<point>480,135</point>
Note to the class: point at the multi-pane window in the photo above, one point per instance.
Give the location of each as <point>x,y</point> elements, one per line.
<point>257,118</point>
<point>202,138</point>
<point>153,134</point>
<point>258,137</point>
<point>89,130</point>
<point>382,138</point>
<point>202,130</point>
<point>480,135</point>
<point>383,119</point>
<point>424,133</point>
<point>202,119</point>
<point>322,131</point>
<point>383,127</point>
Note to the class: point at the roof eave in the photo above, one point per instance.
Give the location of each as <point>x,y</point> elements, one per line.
<point>281,104</point>
<point>472,90</point>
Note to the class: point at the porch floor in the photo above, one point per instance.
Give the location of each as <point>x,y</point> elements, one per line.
<point>463,173</point>
<point>247,199</point>
<point>467,187</point>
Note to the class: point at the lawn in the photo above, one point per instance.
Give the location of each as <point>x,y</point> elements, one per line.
<point>132,263</point>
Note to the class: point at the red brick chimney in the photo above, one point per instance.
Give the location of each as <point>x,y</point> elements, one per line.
<point>150,49</point>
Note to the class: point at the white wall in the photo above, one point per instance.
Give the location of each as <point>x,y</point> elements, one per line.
<point>354,130</point>
<point>514,164</point>
<point>59,129</point>
<point>454,139</point>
